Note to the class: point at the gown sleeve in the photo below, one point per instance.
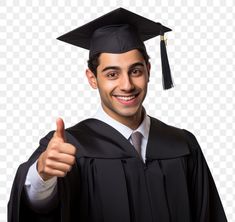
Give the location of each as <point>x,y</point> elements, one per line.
<point>204,198</point>
<point>19,209</point>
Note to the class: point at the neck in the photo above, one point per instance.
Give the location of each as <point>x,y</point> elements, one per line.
<point>134,121</point>
<point>130,121</point>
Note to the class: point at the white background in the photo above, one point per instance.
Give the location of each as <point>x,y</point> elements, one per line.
<point>42,78</point>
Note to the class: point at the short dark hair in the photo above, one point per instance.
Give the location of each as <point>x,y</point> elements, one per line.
<point>93,62</point>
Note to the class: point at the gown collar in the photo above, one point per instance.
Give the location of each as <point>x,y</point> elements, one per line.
<point>143,128</point>
<point>164,141</point>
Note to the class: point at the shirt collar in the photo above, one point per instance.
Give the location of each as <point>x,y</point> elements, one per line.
<point>123,129</point>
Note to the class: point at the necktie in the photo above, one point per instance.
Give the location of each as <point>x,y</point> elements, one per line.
<point>136,138</point>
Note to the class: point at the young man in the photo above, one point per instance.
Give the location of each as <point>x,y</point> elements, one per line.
<point>120,165</point>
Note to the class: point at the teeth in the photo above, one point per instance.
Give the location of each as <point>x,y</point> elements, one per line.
<point>126,98</point>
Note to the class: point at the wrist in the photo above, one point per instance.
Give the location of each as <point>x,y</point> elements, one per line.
<point>40,168</point>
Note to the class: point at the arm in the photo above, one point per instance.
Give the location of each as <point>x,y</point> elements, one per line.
<point>55,158</point>
<point>205,201</point>
<point>39,193</point>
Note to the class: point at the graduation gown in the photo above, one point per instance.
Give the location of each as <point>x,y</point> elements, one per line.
<point>110,183</point>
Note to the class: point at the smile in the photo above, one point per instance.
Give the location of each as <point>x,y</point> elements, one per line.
<point>127,100</point>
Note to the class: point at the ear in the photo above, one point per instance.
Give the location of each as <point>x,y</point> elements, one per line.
<point>148,69</point>
<point>91,78</point>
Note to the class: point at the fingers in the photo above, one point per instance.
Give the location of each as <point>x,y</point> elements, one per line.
<point>55,165</point>
<point>62,158</point>
<point>66,148</point>
<point>53,173</point>
<point>60,129</point>
<point>59,164</point>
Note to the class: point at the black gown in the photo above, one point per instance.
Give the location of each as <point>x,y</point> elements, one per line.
<point>110,182</point>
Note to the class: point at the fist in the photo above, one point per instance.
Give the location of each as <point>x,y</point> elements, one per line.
<point>59,156</point>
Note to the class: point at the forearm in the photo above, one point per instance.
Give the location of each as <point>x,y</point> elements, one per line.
<point>40,194</point>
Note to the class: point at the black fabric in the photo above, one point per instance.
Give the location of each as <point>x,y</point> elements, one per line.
<point>107,29</point>
<point>110,182</point>
<point>117,38</point>
<point>166,71</point>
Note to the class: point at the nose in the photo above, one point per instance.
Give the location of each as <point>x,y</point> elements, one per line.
<point>126,83</point>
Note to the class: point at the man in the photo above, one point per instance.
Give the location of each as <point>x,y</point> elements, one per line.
<point>120,165</point>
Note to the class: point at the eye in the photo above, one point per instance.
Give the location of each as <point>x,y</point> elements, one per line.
<point>112,75</point>
<point>136,71</point>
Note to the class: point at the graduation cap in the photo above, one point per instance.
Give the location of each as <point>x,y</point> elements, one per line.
<point>120,31</point>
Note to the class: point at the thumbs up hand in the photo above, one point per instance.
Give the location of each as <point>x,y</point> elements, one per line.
<point>59,156</point>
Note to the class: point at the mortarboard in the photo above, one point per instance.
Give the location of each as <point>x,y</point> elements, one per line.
<point>120,31</point>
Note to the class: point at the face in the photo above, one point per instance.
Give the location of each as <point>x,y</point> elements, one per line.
<point>122,81</point>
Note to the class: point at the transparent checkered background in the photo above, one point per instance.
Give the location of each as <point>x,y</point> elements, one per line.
<point>42,78</point>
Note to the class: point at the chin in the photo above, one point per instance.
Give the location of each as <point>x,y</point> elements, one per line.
<point>129,112</point>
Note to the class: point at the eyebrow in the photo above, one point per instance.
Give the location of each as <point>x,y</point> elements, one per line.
<point>110,67</point>
<point>136,64</point>
<point>118,68</point>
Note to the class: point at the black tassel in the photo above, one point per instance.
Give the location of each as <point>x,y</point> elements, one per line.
<point>166,71</point>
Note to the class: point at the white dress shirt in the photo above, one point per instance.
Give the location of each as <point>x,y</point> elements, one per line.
<point>40,192</point>
<point>126,131</point>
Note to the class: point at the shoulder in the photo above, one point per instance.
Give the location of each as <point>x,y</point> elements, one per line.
<point>84,124</point>
<point>173,131</point>
<point>173,135</point>
<point>83,133</point>
<point>166,130</point>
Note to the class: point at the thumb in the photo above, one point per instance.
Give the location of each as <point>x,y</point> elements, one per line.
<point>60,128</point>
